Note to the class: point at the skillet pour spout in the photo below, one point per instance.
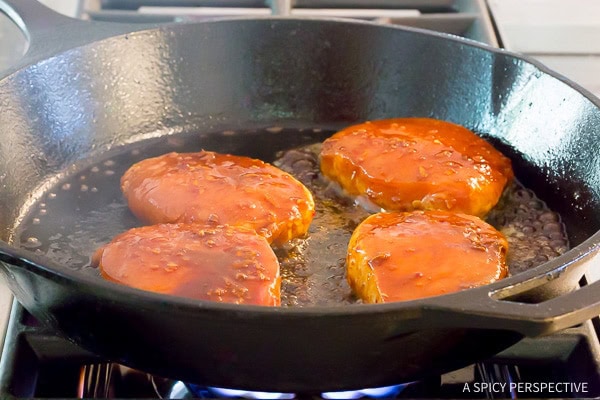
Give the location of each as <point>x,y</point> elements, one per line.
<point>66,106</point>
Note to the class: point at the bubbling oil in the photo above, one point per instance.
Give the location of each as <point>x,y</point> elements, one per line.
<point>86,209</point>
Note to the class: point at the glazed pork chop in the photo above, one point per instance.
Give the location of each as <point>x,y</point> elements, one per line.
<point>219,189</point>
<point>406,164</point>
<point>401,256</point>
<point>221,263</point>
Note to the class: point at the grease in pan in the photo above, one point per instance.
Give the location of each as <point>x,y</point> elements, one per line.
<point>313,268</point>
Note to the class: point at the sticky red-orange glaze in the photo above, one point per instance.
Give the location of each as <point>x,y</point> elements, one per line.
<point>223,263</point>
<point>213,188</point>
<point>401,256</point>
<point>408,164</point>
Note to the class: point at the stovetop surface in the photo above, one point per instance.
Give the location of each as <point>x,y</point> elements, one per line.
<point>38,363</point>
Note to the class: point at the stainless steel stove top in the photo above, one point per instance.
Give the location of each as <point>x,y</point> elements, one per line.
<point>459,17</point>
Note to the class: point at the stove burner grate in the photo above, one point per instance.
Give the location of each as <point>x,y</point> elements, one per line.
<point>37,363</point>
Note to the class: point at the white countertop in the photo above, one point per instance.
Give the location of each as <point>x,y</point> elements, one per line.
<point>564,35</point>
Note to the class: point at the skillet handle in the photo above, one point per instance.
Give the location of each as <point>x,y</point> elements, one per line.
<point>49,33</point>
<point>498,307</point>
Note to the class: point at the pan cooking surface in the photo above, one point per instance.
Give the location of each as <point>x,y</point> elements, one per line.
<point>86,210</point>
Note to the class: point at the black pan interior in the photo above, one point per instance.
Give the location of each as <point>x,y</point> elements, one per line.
<point>85,209</point>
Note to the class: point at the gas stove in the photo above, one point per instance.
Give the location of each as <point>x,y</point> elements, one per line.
<point>468,18</point>
<point>38,363</point>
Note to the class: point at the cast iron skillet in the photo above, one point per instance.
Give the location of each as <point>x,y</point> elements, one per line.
<point>85,90</point>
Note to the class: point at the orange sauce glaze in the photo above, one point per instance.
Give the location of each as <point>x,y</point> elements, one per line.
<point>213,188</point>
<point>401,256</point>
<point>222,263</point>
<point>405,164</point>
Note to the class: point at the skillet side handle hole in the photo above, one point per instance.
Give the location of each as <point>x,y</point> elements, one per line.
<point>539,290</point>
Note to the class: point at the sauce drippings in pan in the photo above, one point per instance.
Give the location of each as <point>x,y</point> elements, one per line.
<point>86,209</point>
